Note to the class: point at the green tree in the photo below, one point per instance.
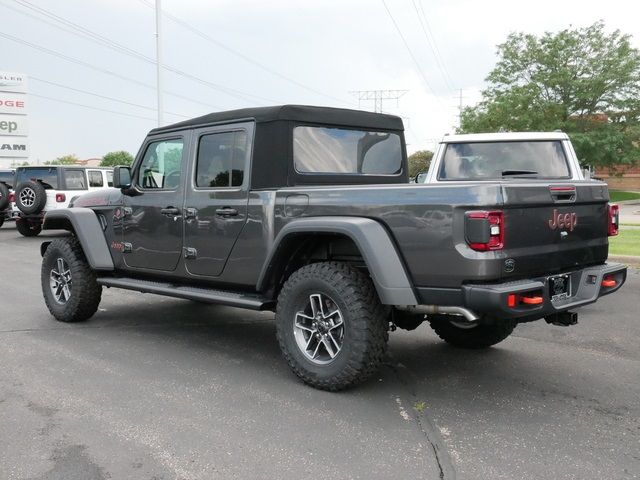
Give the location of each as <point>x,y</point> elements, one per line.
<point>419,162</point>
<point>71,159</point>
<point>583,81</point>
<point>114,159</point>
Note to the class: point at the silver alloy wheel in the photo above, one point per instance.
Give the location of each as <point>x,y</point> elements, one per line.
<point>319,329</point>
<point>27,197</point>
<point>60,281</point>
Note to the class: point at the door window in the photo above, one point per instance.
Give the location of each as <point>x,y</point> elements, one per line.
<point>95,179</point>
<point>75,180</point>
<point>221,159</point>
<point>161,167</point>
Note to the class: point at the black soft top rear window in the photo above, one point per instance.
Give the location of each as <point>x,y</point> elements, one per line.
<point>330,150</point>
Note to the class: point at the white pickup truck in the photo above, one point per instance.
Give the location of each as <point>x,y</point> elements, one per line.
<point>496,156</point>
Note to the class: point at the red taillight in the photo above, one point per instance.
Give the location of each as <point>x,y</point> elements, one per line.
<point>61,197</point>
<point>613,221</point>
<point>495,228</point>
<point>12,197</point>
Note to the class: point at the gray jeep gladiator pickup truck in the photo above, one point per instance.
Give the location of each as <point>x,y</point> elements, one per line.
<point>309,212</point>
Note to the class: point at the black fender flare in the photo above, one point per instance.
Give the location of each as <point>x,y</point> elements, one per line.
<point>84,223</point>
<point>372,239</point>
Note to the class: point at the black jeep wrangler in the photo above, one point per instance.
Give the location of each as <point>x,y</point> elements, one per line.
<point>308,211</point>
<point>7,180</point>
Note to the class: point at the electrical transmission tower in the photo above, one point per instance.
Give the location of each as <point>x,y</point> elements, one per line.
<point>377,96</point>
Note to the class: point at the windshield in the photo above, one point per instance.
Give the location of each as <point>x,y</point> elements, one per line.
<point>47,175</point>
<point>340,151</point>
<point>496,160</point>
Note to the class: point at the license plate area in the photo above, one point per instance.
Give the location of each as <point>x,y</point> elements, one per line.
<point>559,287</point>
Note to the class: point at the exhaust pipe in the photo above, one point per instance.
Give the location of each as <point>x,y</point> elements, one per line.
<point>562,319</point>
<point>435,309</point>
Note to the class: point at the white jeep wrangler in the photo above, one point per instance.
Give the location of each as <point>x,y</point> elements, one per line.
<point>40,189</point>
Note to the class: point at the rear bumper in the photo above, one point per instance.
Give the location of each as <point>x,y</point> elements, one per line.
<point>493,299</point>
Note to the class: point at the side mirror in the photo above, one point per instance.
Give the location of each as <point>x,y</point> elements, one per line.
<point>122,177</point>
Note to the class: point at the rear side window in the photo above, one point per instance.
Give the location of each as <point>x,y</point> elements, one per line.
<point>496,160</point>
<point>161,167</point>
<point>221,159</point>
<point>95,179</point>
<point>7,178</point>
<point>48,176</point>
<point>110,178</point>
<point>75,180</point>
<point>340,151</point>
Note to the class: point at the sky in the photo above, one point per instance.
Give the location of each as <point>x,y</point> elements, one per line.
<point>226,54</point>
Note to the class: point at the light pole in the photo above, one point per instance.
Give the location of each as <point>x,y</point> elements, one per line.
<point>159,61</point>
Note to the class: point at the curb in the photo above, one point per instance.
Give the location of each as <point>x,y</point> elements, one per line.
<point>627,259</point>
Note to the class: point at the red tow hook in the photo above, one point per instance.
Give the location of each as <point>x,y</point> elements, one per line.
<point>532,300</point>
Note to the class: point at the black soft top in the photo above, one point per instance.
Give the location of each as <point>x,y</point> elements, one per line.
<point>298,113</point>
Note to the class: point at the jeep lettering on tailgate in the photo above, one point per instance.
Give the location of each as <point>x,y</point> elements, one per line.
<point>563,220</point>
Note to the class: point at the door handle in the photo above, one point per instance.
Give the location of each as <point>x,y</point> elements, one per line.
<point>226,212</point>
<point>170,211</point>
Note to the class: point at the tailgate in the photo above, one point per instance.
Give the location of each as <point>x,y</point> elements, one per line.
<point>552,228</point>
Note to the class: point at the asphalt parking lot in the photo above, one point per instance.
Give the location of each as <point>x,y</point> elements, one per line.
<point>157,388</point>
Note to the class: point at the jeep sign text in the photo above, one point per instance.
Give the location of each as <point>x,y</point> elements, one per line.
<point>13,125</point>
<point>8,127</point>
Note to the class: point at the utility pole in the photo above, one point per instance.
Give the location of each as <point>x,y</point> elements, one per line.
<point>377,96</point>
<point>159,61</point>
<point>460,107</point>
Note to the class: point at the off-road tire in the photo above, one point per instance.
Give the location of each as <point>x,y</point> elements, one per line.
<point>39,199</point>
<point>481,336</point>
<point>365,324</point>
<point>4,197</point>
<point>407,320</point>
<point>85,291</point>
<point>28,228</point>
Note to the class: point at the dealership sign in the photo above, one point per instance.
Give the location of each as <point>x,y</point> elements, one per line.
<point>13,82</point>
<point>14,123</point>
<point>17,147</point>
<point>15,103</point>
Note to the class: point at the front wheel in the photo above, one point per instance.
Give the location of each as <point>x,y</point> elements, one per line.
<point>68,284</point>
<point>28,228</point>
<point>331,326</point>
<point>464,335</point>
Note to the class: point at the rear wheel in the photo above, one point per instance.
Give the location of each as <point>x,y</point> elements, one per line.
<point>4,196</point>
<point>464,335</point>
<point>29,228</point>
<point>331,326</point>
<point>1,219</point>
<point>68,284</point>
